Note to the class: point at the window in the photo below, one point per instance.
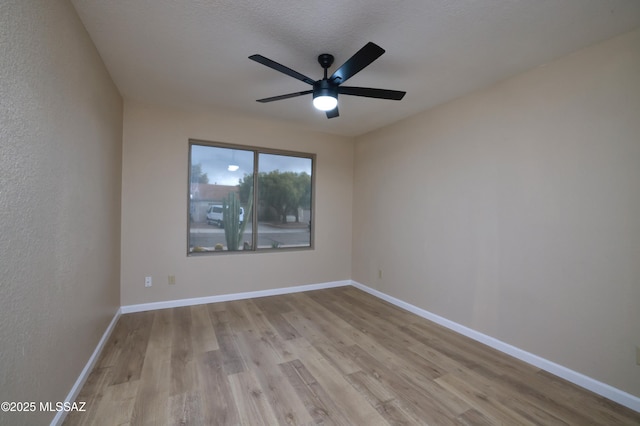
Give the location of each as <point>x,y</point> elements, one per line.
<point>248,199</point>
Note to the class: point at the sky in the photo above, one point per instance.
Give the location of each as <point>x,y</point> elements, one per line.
<point>215,161</point>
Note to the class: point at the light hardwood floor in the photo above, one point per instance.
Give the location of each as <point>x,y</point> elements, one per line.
<point>335,357</point>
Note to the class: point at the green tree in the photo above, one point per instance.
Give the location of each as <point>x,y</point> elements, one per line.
<point>280,192</point>
<point>284,192</point>
<point>303,182</point>
<point>197,175</point>
<point>245,188</point>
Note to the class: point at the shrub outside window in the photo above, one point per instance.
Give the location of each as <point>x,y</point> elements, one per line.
<point>246,199</point>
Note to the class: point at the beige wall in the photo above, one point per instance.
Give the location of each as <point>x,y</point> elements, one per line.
<point>154,209</point>
<point>515,211</point>
<point>60,167</point>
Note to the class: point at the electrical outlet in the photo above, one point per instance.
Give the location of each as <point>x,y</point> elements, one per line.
<point>380,273</point>
<point>148,281</point>
<point>172,280</point>
<point>638,355</point>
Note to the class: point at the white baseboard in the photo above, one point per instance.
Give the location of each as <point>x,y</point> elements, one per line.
<point>82,378</point>
<point>228,297</point>
<point>603,389</point>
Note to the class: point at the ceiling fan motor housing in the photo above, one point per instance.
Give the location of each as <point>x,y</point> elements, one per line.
<point>325,88</point>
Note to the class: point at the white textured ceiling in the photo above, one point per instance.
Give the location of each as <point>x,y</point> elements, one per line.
<point>193,53</point>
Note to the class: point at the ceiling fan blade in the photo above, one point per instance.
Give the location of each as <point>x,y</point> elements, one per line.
<point>287,96</point>
<point>333,113</point>
<point>363,57</point>
<point>279,67</point>
<point>368,92</point>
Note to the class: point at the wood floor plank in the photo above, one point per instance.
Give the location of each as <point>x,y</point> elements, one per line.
<point>119,402</point>
<point>383,399</point>
<point>323,342</point>
<point>345,397</point>
<point>332,357</point>
<point>273,308</point>
<point>408,365</point>
<point>117,341</point>
<point>185,408</point>
<point>375,306</point>
<point>422,404</point>
<point>277,389</point>
<point>253,406</point>
<point>182,367</point>
<point>601,409</point>
<point>203,338</point>
<point>369,326</point>
<point>268,333</point>
<point>395,412</point>
<point>92,393</point>
<point>371,388</point>
<point>128,364</point>
<point>319,404</point>
<point>469,352</point>
<point>253,346</point>
<point>389,347</point>
<point>490,407</point>
<point>473,417</point>
<point>151,406</point>
<point>521,399</point>
<point>233,361</point>
<point>329,325</point>
<point>218,405</point>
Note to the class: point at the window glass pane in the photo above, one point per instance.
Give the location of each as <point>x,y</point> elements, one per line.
<point>220,203</point>
<point>284,201</point>
<point>244,199</point>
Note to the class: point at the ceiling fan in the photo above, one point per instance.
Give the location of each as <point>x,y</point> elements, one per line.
<point>325,91</point>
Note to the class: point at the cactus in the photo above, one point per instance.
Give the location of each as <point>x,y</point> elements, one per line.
<point>231,220</point>
<point>233,229</point>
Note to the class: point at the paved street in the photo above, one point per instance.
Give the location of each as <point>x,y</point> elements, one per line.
<point>204,235</point>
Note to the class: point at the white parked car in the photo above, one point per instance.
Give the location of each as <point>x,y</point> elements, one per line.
<point>214,215</point>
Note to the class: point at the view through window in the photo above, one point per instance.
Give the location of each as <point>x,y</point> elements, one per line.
<point>247,199</point>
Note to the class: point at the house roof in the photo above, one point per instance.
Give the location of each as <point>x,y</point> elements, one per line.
<point>211,192</point>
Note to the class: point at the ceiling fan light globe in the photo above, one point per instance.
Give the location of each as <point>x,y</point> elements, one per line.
<point>325,103</point>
